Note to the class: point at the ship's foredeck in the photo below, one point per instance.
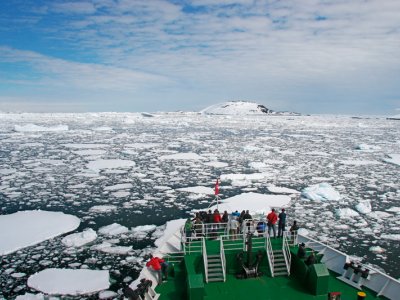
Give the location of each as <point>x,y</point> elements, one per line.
<point>263,287</point>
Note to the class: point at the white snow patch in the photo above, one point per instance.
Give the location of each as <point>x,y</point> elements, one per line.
<point>27,228</point>
<point>69,282</point>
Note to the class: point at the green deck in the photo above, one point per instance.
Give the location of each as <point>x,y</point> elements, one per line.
<point>264,287</point>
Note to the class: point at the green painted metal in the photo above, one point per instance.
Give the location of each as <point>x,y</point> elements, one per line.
<point>265,287</point>
<point>318,279</point>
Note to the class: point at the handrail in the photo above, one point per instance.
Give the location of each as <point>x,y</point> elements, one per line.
<point>205,259</point>
<point>223,259</point>
<point>381,283</point>
<point>286,251</point>
<point>270,254</point>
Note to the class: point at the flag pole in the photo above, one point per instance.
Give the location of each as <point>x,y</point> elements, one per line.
<point>216,192</point>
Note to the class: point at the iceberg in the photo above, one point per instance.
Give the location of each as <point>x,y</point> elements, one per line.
<point>321,192</point>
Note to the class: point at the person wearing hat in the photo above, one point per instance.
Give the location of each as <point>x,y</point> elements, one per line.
<point>281,223</point>
<point>272,218</point>
<point>301,252</point>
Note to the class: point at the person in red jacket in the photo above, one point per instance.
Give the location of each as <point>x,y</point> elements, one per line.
<point>158,265</point>
<point>272,218</point>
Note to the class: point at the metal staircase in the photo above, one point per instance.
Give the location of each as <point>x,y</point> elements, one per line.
<point>214,268</point>
<point>279,266</point>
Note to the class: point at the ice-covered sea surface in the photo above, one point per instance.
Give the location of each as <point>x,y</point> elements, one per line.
<point>124,175</point>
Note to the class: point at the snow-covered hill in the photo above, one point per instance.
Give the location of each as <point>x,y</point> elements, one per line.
<point>240,108</point>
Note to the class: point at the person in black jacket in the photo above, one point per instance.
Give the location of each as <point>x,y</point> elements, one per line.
<point>281,223</point>
<point>301,252</point>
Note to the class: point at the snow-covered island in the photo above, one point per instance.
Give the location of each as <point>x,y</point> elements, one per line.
<point>241,108</point>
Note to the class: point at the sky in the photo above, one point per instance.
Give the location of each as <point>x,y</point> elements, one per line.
<point>308,56</point>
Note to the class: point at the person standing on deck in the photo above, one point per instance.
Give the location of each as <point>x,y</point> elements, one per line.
<point>188,228</point>
<point>233,227</point>
<point>158,265</point>
<point>272,218</point>
<point>281,223</point>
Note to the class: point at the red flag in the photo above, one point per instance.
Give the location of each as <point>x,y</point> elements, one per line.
<point>216,188</point>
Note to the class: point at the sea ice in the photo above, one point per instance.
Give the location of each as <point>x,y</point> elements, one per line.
<point>100,164</point>
<point>120,186</point>
<point>281,190</point>
<point>321,192</point>
<point>346,212</point>
<point>80,238</point>
<point>69,282</point>
<point>256,203</point>
<point>37,128</point>
<point>376,249</point>
<point>113,229</point>
<point>27,228</point>
<point>197,190</point>
<point>103,208</point>
<point>364,207</point>
<point>393,159</point>
<point>182,156</point>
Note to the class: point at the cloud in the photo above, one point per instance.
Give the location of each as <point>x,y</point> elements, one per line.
<point>73,7</point>
<point>281,50</point>
<point>59,72</point>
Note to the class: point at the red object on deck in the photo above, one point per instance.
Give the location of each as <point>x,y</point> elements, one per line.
<point>216,188</point>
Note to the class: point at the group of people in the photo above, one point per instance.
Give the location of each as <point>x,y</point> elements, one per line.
<point>210,222</point>
<point>301,253</point>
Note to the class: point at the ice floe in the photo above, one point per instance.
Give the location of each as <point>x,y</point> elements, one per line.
<point>346,212</point>
<point>364,207</point>
<point>80,238</point>
<point>103,208</point>
<point>254,202</point>
<point>182,156</point>
<point>27,228</point>
<point>113,229</point>
<point>69,282</point>
<point>321,192</point>
<point>393,159</point>
<point>281,190</point>
<point>37,128</point>
<point>197,190</point>
<point>100,164</point>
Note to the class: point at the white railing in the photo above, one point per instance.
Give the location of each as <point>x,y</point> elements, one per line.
<point>231,242</point>
<point>205,259</point>
<point>190,246</point>
<point>381,283</point>
<point>270,254</point>
<point>223,259</point>
<point>286,251</point>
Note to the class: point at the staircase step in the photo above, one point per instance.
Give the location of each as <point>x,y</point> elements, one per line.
<point>280,273</point>
<point>215,279</point>
<point>280,269</point>
<point>216,275</point>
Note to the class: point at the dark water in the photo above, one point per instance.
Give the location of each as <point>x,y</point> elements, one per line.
<point>39,170</point>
